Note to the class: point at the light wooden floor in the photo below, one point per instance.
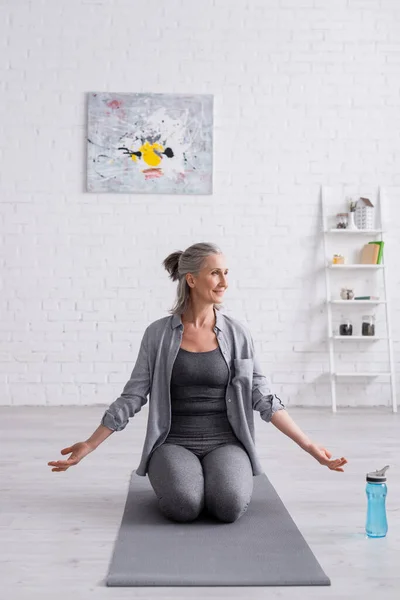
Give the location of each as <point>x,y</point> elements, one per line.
<point>58,529</point>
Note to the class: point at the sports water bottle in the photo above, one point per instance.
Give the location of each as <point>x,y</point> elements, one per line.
<point>376,525</point>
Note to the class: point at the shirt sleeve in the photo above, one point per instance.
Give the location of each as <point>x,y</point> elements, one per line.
<point>134,394</point>
<point>263,397</point>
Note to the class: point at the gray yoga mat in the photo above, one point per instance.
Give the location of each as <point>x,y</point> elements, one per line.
<point>263,547</point>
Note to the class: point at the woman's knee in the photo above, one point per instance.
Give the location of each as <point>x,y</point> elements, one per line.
<point>230,507</point>
<point>176,476</point>
<point>182,506</point>
<point>229,482</point>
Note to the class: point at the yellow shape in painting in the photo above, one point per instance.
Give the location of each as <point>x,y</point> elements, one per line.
<point>148,154</point>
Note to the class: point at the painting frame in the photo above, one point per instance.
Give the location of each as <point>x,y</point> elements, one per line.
<point>150,143</point>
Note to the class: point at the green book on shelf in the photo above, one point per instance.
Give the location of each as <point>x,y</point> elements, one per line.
<point>381,245</point>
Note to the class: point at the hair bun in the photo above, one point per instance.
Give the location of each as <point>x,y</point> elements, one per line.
<point>171,264</point>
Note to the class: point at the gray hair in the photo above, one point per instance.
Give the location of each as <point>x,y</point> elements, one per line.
<point>179,263</point>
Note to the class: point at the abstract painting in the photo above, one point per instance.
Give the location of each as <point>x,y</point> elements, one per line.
<point>150,143</point>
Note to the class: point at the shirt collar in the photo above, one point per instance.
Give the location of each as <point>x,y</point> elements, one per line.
<point>219,323</point>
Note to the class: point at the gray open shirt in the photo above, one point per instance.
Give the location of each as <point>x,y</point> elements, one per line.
<point>247,390</point>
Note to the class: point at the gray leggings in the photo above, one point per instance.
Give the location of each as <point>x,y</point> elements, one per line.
<point>219,481</point>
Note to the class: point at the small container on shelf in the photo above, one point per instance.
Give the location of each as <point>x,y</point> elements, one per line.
<point>342,220</point>
<point>368,325</point>
<point>338,259</point>
<point>345,327</point>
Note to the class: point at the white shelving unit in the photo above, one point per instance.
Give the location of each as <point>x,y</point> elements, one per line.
<point>362,235</point>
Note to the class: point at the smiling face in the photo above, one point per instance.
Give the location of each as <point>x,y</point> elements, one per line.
<point>210,284</point>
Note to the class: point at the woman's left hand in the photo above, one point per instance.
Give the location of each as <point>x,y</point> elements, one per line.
<point>322,455</point>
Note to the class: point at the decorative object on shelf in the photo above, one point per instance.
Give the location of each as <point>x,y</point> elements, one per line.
<point>351,223</point>
<point>338,259</point>
<point>368,325</point>
<point>365,214</point>
<point>345,327</point>
<point>341,220</point>
<point>346,294</point>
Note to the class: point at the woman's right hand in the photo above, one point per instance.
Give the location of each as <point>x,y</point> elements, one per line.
<point>78,450</point>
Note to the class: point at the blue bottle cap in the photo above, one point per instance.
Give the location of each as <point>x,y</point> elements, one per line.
<point>377,476</point>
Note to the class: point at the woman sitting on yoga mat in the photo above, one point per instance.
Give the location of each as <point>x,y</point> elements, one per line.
<point>205,382</point>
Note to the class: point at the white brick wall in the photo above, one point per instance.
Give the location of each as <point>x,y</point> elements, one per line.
<point>305,91</point>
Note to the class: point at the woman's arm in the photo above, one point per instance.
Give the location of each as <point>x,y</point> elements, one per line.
<point>117,415</point>
<point>98,436</point>
<point>273,410</point>
<point>134,394</point>
<point>80,449</point>
<point>284,422</point>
